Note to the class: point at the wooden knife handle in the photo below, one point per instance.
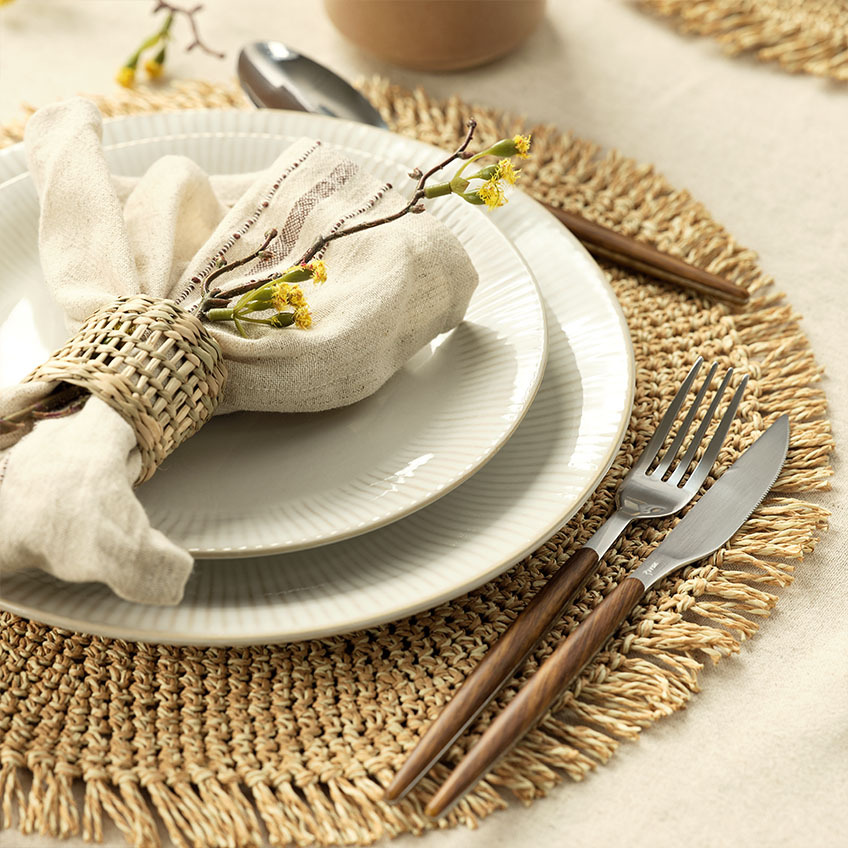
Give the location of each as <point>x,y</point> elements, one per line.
<point>495,669</point>
<point>537,695</point>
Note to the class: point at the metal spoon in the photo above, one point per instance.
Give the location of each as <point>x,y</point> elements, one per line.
<point>277,77</point>
<point>273,75</point>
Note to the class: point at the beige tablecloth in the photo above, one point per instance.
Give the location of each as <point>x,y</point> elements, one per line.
<point>760,755</point>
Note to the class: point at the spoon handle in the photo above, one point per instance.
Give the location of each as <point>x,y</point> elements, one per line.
<point>607,244</point>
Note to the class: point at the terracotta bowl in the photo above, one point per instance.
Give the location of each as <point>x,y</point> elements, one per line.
<point>436,35</point>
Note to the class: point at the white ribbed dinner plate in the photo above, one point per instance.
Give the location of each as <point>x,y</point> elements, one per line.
<point>542,475</point>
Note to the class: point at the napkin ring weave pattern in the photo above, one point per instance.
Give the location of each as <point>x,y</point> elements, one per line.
<point>152,362</point>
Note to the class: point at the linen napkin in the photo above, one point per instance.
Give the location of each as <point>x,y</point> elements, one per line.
<point>66,500</point>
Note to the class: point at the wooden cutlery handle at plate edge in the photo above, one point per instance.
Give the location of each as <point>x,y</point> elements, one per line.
<point>538,694</point>
<point>495,669</point>
<point>608,244</point>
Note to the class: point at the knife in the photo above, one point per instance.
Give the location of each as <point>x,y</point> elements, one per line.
<point>719,513</point>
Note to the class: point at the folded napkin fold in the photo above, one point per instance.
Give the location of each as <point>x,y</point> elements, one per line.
<point>66,500</point>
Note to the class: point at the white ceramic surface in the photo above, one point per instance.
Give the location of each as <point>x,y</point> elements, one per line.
<point>536,482</point>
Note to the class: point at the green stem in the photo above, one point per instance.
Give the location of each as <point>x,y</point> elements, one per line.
<point>152,40</point>
<point>469,161</point>
<point>220,314</point>
<point>439,190</point>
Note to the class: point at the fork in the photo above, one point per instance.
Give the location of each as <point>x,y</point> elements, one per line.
<point>646,492</point>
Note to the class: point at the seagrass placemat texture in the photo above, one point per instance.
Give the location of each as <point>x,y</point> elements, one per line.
<point>803,36</point>
<point>292,744</point>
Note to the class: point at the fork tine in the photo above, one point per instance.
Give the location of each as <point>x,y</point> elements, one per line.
<point>701,432</point>
<point>705,464</point>
<point>664,427</point>
<point>711,453</point>
<point>671,453</point>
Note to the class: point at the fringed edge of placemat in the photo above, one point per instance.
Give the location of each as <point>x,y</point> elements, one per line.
<point>650,670</point>
<point>802,40</point>
<point>193,94</point>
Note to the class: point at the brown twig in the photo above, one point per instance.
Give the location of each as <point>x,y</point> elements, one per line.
<point>411,206</point>
<point>57,403</point>
<point>214,298</point>
<point>269,237</point>
<point>189,13</point>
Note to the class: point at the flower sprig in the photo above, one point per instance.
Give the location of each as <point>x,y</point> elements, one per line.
<point>154,65</point>
<point>492,179</point>
<point>281,296</point>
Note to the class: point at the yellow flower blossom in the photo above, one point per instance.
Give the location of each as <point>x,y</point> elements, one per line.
<point>492,194</point>
<point>296,296</point>
<point>286,294</point>
<point>280,296</point>
<point>319,271</point>
<point>506,172</point>
<point>303,318</point>
<point>125,76</point>
<point>522,144</point>
<point>153,68</point>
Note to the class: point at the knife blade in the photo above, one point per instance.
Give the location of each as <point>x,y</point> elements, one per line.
<point>719,513</point>
<point>723,508</point>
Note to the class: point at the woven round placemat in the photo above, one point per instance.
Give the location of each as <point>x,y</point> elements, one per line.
<point>292,744</point>
<point>803,36</point>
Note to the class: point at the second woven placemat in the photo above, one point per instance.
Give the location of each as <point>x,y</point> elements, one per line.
<point>802,36</point>
<point>293,743</point>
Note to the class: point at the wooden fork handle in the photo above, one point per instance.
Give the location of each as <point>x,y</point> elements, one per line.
<point>536,696</point>
<point>495,669</point>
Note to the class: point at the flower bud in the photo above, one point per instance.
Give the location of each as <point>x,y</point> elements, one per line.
<point>154,66</point>
<point>485,173</point>
<point>297,274</point>
<point>282,319</point>
<point>472,197</point>
<point>518,145</point>
<point>256,305</point>
<point>126,76</point>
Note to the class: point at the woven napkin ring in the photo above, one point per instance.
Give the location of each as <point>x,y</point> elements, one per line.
<point>153,363</point>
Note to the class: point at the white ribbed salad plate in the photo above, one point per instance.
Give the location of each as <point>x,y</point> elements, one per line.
<point>253,484</point>
<point>528,489</point>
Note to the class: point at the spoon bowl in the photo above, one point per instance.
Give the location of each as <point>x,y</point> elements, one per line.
<point>273,75</point>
